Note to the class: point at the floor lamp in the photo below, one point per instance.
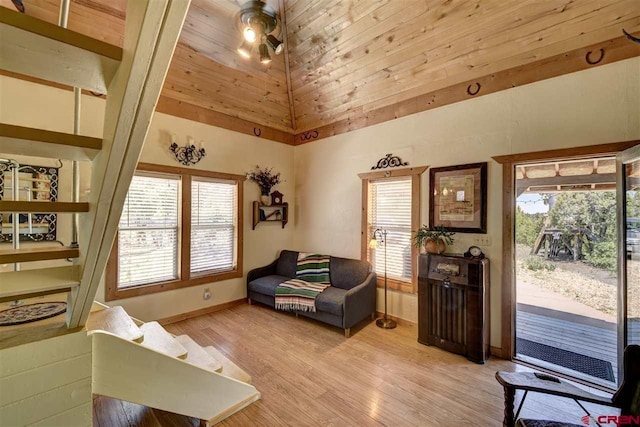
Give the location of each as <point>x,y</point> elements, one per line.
<point>379,237</point>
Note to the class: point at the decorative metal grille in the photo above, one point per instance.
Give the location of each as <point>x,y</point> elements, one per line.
<point>47,177</point>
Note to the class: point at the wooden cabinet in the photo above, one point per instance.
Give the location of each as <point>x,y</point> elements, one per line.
<point>273,213</point>
<point>453,304</point>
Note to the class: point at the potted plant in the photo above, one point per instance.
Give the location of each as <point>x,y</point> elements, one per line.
<point>266,179</point>
<point>434,240</point>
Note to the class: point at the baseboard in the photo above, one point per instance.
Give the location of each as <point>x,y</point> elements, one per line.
<point>398,320</point>
<point>201,312</point>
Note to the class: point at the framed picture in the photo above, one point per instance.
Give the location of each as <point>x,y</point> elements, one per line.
<point>458,198</point>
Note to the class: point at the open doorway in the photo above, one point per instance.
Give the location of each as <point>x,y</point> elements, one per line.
<point>565,268</point>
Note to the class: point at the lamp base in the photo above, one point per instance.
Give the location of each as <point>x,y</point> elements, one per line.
<point>386,323</point>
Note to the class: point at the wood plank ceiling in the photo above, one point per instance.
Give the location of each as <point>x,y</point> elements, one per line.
<point>352,58</point>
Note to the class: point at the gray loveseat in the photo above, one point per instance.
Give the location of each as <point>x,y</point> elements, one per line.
<point>350,299</point>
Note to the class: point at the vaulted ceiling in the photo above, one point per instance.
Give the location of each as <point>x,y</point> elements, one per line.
<point>351,60</point>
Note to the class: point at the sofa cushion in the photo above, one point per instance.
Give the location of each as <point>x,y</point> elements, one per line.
<point>267,285</point>
<point>348,273</point>
<point>331,300</point>
<point>287,264</point>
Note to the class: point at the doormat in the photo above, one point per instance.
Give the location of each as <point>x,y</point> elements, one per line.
<point>578,362</point>
<point>31,312</point>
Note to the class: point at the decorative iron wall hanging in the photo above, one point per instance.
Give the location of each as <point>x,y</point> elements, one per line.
<point>389,161</point>
<point>36,183</point>
<point>188,155</point>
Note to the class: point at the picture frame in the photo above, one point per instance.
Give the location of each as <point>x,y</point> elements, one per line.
<point>458,198</point>
<point>38,183</point>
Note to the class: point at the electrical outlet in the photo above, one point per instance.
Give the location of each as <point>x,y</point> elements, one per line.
<point>484,240</point>
<point>206,295</point>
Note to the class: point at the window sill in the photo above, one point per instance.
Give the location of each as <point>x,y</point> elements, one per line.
<point>396,285</point>
<point>112,293</point>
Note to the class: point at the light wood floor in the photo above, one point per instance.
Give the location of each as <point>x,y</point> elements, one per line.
<point>310,375</point>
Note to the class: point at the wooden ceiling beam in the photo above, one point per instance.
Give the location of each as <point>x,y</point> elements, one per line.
<point>229,107</point>
<point>191,112</point>
<point>615,50</point>
<point>608,178</point>
<point>203,115</point>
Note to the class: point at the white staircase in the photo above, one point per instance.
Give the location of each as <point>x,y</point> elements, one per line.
<point>134,361</point>
<point>132,77</point>
<point>158,339</point>
<point>146,365</point>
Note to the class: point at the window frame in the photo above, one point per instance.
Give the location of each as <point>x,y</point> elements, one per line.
<point>369,177</point>
<point>185,278</point>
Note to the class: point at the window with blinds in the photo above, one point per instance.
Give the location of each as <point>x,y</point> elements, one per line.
<point>148,231</point>
<point>165,242</point>
<point>390,209</point>
<point>213,226</point>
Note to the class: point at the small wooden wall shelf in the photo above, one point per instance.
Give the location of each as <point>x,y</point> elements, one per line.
<point>270,213</point>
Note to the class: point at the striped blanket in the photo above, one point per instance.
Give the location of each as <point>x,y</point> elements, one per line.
<point>312,277</point>
<point>313,268</point>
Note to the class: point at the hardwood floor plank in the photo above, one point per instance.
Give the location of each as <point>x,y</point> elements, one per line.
<point>138,415</point>
<point>310,375</point>
<point>109,412</point>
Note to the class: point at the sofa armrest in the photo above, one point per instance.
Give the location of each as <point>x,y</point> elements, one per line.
<point>360,301</point>
<point>256,273</point>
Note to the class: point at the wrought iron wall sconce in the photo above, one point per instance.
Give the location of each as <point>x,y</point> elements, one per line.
<point>187,155</point>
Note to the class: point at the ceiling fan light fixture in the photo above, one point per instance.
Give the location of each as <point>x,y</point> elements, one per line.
<point>275,44</point>
<point>256,20</point>
<point>245,50</point>
<point>249,34</point>
<point>265,58</point>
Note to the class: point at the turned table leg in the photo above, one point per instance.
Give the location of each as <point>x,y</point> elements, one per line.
<point>509,398</point>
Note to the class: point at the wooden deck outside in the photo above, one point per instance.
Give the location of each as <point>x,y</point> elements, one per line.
<point>579,334</point>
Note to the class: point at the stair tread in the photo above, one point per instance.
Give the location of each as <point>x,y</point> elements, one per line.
<point>8,256</point>
<point>45,143</point>
<point>229,369</point>
<point>42,207</point>
<point>14,284</point>
<point>157,338</point>
<point>40,49</point>
<point>197,355</point>
<point>116,321</point>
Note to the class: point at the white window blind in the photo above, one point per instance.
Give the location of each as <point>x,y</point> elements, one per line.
<point>148,231</point>
<point>390,209</point>
<point>213,226</point>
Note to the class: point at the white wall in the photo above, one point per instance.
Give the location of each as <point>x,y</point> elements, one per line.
<point>229,152</point>
<point>590,107</point>
<point>27,104</point>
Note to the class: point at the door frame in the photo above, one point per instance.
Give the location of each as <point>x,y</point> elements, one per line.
<point>622,158</point>
<point>508,285</point>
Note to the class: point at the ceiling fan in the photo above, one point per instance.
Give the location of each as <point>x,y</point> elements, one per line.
<point>257,21</point>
